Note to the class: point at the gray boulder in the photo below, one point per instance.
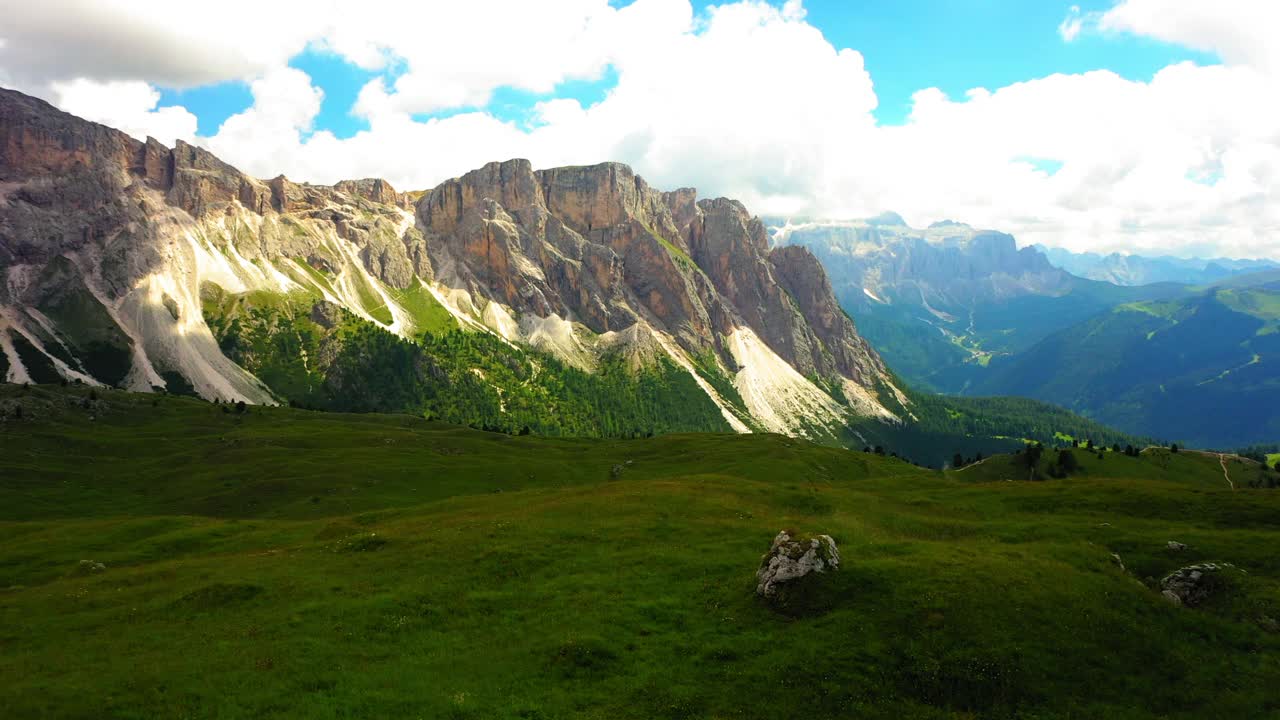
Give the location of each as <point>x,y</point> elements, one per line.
<point>1176,546</point>
<point>89,567</point>
<point>792,558</point>
<point>1192,585</point>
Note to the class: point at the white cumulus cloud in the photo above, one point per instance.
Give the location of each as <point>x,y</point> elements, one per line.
<point>128,105</point>
<point>745,99</point>
<point>1242,32</point>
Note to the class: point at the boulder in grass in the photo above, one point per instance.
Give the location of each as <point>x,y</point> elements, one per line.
<point>790,573</point>
<point>1192,585</point>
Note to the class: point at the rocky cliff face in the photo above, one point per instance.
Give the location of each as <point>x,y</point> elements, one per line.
<point>106,244</point>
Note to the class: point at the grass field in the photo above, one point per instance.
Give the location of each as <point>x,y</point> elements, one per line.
<point>284,563</point>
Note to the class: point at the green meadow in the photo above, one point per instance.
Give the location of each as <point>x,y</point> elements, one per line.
<point>278,562</point>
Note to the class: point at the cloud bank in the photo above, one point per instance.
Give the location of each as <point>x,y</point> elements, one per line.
<point>746,100</point>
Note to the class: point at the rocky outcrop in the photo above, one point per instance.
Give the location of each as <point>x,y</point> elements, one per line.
<point>598,245</point>
<point>89,567</point>
<point>374,190</point>
<point>793,558</point>
<point>840,350</point>
<point>38,141</point>
<point>575,242</point>
<point>1192,585</point>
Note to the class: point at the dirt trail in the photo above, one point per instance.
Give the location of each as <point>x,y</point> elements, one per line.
<point>1222,460</point>
<point>974,464</point>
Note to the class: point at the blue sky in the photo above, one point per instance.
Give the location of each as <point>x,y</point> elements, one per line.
<point>956,45</point>
<point>907,45</point>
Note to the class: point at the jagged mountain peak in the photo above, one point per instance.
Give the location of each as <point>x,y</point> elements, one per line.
<point>888,218</point>
<point>581,262</point>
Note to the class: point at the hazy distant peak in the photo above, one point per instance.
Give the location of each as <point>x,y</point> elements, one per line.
<point>1130,269</point>
<point>887,218</point>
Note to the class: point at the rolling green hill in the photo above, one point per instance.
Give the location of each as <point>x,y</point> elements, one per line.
<point>952,353</point>
<point>287,563</point>
<point>1201,369</point>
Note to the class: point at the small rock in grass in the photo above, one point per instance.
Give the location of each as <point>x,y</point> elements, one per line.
<point>90,567</point>
<point>1176,546</point>
<point>362,542</point>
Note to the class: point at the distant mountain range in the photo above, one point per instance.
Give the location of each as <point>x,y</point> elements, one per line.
<point>940,302</point>
<point>964,311</point>
<point>1141,270</point>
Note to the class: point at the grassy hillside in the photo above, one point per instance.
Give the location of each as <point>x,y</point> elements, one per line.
<point>287,563</point>
<point>317,355</point>
<point>1202,369</point>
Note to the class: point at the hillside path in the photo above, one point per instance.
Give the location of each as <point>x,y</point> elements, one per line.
<point>1222,458</point>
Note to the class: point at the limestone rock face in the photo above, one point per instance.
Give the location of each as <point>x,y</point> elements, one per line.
<point>792,558</point>
<point>36,142</point>
<point>104,241</point>
<point>1192,585</point>
<point>374,190</point>
<point>599,245</point>
<point>840,350</point>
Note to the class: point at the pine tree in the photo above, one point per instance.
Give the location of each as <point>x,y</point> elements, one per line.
<point>1067,462</point>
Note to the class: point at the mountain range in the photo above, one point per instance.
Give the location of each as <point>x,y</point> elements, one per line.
<point>573,301</point>
<point>132,264</point>
<point>942,301</point>
<point>965,311</point>
<point>1123,269</point>
<point>1202,368</point>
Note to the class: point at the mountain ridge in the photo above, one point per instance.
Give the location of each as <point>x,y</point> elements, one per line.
<point>109,244</point>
